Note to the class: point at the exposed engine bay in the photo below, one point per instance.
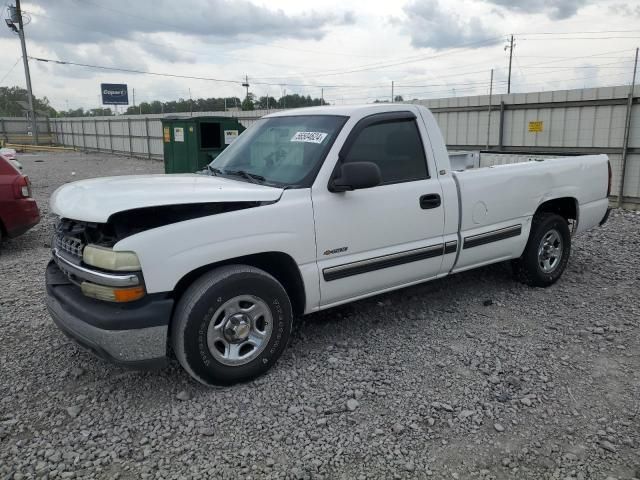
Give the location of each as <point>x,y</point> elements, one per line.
<point>130,222</point>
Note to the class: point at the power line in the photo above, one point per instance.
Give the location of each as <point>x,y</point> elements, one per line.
<point>577,33</point>
<point>576,38</point>
<point>379,65</point>
<point>130,70</point>
<point>239,82</point>
<point>484,70</point>
<point>10,70</point>
<point>191,77</point>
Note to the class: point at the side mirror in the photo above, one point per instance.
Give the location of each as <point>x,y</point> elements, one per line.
<point>356,175</point>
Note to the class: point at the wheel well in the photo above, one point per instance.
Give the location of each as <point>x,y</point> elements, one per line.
<point>280,265</point>
<point>566,207</point>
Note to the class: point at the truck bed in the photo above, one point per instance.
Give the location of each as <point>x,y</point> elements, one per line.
<point>506,196</point>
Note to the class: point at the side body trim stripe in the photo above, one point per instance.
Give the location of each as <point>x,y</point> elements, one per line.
<point>385,261</point>
<point>451,247</point>
<point>400,258</point>
<point>493,236</point>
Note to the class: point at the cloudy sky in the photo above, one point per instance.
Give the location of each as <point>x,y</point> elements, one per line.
<point>349,49</point>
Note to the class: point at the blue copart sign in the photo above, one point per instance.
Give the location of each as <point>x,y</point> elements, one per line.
<point>114,94</point>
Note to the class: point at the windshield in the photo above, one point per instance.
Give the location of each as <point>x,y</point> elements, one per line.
<point>285,151</point>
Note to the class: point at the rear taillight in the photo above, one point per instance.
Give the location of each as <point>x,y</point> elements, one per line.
<point>610,176</point>
<point>22,187</point>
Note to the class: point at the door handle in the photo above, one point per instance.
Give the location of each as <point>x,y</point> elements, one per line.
<point>431,200</point>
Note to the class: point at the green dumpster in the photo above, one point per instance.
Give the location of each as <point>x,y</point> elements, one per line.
<point>190,143</point>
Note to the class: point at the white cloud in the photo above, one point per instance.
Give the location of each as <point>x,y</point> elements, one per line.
<point>432,26</point>
<point>555,9</point>
<point>284,41</point>
<point>625,10</point>
<point>224,20</point>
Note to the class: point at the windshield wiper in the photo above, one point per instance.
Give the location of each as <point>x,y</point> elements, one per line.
<point>213,170</point>
<point>252,177</point>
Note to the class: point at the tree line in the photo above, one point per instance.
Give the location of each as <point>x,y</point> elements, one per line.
<point>214,104</point>
<point>9,106</point>
<point>9,96</point>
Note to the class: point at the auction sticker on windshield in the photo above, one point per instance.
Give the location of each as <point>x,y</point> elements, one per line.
<point>309,137</point>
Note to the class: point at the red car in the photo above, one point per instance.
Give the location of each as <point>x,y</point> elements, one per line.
<point>18,211</point>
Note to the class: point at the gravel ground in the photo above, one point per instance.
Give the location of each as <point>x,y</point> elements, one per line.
<point>473,376</point>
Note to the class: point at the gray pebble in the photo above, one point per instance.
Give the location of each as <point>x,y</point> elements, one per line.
<point>74,411</point>
<point>607,445</point>
<point>183,395</point>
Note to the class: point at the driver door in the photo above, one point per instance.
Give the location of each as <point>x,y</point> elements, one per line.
<point>378,238</point>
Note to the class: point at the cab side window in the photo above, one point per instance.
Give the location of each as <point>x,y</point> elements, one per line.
<point>395,146</point>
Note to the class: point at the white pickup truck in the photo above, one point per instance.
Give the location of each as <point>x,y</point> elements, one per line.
<point>306,210</point>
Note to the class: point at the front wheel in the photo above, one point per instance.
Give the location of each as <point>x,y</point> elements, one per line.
<point>547,252</point>
<point>231,325</point>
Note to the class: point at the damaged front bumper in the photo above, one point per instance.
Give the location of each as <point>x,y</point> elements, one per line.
<point>132,335</point>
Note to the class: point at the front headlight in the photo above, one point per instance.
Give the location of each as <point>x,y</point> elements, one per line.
<point>107,259</point>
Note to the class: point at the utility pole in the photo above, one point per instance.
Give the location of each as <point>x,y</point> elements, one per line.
<point>627,128</point>
<point>16,15</point>
<point>190,104</point>
<point>246,85</point>
<point>489,110</point>
<point>510,47</point>
<point>392,97</point>
<point>322,96</point>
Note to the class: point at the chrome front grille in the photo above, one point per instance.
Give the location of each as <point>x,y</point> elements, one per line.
<point>70,245</point>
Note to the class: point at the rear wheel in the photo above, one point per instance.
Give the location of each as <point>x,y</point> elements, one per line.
<point>231,325</point>
<point>547,252</point>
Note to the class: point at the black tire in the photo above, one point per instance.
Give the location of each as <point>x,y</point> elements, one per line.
<point>203,299</point>
<point>528,268</point>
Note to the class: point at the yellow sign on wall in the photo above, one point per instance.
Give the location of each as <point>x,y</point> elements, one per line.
<point>167,135</point>
<point>536,126</point>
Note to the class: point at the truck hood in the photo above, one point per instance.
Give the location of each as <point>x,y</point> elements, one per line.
<point>95,200</point>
